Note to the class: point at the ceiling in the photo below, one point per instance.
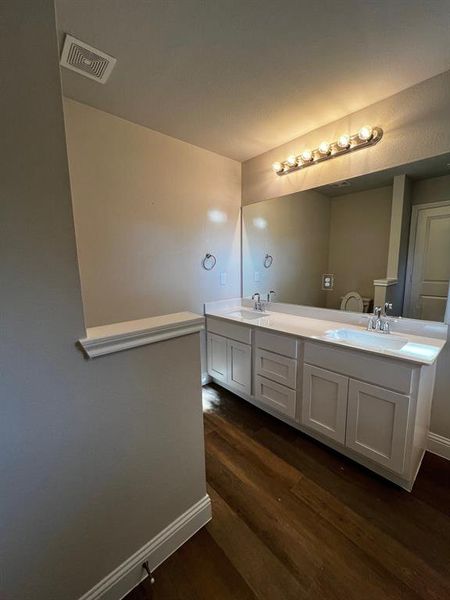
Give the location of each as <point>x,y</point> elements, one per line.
<point>240,77</point>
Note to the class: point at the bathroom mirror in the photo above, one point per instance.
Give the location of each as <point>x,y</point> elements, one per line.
<point>382,237</point>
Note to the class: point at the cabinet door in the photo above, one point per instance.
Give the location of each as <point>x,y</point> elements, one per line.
<point>239,368</point>
<point>377,423</point>
<point>277,368</point>
<point>324,405</point>
<point>217,357</point>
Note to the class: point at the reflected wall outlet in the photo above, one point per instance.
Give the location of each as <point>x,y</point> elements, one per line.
<point>256,276</point>
<point>327,281</point>
<point>223,279</point>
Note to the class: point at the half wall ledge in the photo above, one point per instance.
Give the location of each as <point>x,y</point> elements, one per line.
<point>106,339</point>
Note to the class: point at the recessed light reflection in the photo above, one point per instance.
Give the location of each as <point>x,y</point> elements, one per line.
<point>260,223</point>
<point>217,216</point>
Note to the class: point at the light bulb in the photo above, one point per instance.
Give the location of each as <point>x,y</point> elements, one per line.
<point>344,141</point>
<point>292,160</point>
<point>324,148</point>
<point>307,156</point>
<point>277,167</point>
<point>365,133</point>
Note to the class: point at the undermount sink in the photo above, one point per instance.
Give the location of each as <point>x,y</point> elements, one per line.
<point>248,315</point>
<point>367,339</point>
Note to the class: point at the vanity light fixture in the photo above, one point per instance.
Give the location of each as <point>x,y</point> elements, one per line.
<point>366,136</point>
<point>324,148</point>
<point>365,133</point>
<point>344,141</point>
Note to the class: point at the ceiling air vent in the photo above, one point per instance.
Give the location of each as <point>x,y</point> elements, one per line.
<point>86,60</point>
<point>341,184</point>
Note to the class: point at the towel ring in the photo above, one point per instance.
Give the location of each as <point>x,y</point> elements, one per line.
<point>268,260</point>
<point>209,262</point>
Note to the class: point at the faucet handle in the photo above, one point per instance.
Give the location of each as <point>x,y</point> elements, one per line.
<point>270,294</point>
<point>256,294</point>
<point>377,311</point>
<point>387,306</point>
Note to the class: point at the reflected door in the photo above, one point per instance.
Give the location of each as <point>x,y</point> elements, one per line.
<point>429,263</point>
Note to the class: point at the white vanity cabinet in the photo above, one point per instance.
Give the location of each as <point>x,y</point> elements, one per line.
<point>276,372</point>
<point>364,403</point>
<point>217,357</point>
<point>368,419</point>
<point>377,424</point>
<point>230,359</point>
<point>373,408</point>
<point>239,366</point>
<point>325,402</point>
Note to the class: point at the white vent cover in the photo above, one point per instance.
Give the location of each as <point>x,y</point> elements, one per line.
<point>86,60</point>
<point>341,184</point>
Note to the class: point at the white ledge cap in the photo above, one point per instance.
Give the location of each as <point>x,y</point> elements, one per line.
<point>106,339</point>
<point>388,281</point>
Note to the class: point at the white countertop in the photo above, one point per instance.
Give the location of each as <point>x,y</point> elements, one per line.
<point>418,349</point>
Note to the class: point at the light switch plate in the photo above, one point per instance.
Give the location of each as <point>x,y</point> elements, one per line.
<point>223,279</point>
<point>257,276</point>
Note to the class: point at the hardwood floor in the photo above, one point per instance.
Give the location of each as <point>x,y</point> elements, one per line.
<point>294,519</point>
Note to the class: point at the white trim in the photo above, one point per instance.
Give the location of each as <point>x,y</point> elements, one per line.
<point>387,282</point>
<point>131,334</point>
<point>438,444</point>
<point>130,573</point>
<point>206,379</point>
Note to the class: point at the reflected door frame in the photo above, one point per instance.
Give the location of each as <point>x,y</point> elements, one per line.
<point>416,208</point>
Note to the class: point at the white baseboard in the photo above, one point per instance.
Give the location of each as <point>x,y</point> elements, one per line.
<point>438,444</point>
<point>129,574</point>
<point>206,379</point>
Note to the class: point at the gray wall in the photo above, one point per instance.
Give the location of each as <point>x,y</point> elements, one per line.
<point>434,189</point>
<point>96,457</point>
<point>359,241</point>
<point>294,230</point>
<point>147,208</point>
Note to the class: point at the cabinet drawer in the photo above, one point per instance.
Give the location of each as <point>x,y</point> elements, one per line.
<point>281,344</point>
<point>234,331</point>
<point>276,367</point>
<point>276,396</point>
<point>389,373</point>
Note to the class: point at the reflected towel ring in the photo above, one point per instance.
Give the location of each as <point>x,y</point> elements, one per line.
<point>209,262</point>
<point>268,260</point>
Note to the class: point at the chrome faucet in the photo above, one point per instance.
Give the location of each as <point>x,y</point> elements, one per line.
<point>270,295</point>
<point>379,321</point>
<point>258,304</point>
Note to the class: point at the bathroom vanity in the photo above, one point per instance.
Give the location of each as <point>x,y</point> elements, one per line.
<point>365,394</point>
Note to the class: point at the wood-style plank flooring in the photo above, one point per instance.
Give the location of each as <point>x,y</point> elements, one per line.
<point>294,519</point>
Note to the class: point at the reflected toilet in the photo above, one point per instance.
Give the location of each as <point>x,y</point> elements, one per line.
<point>354,302</point>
